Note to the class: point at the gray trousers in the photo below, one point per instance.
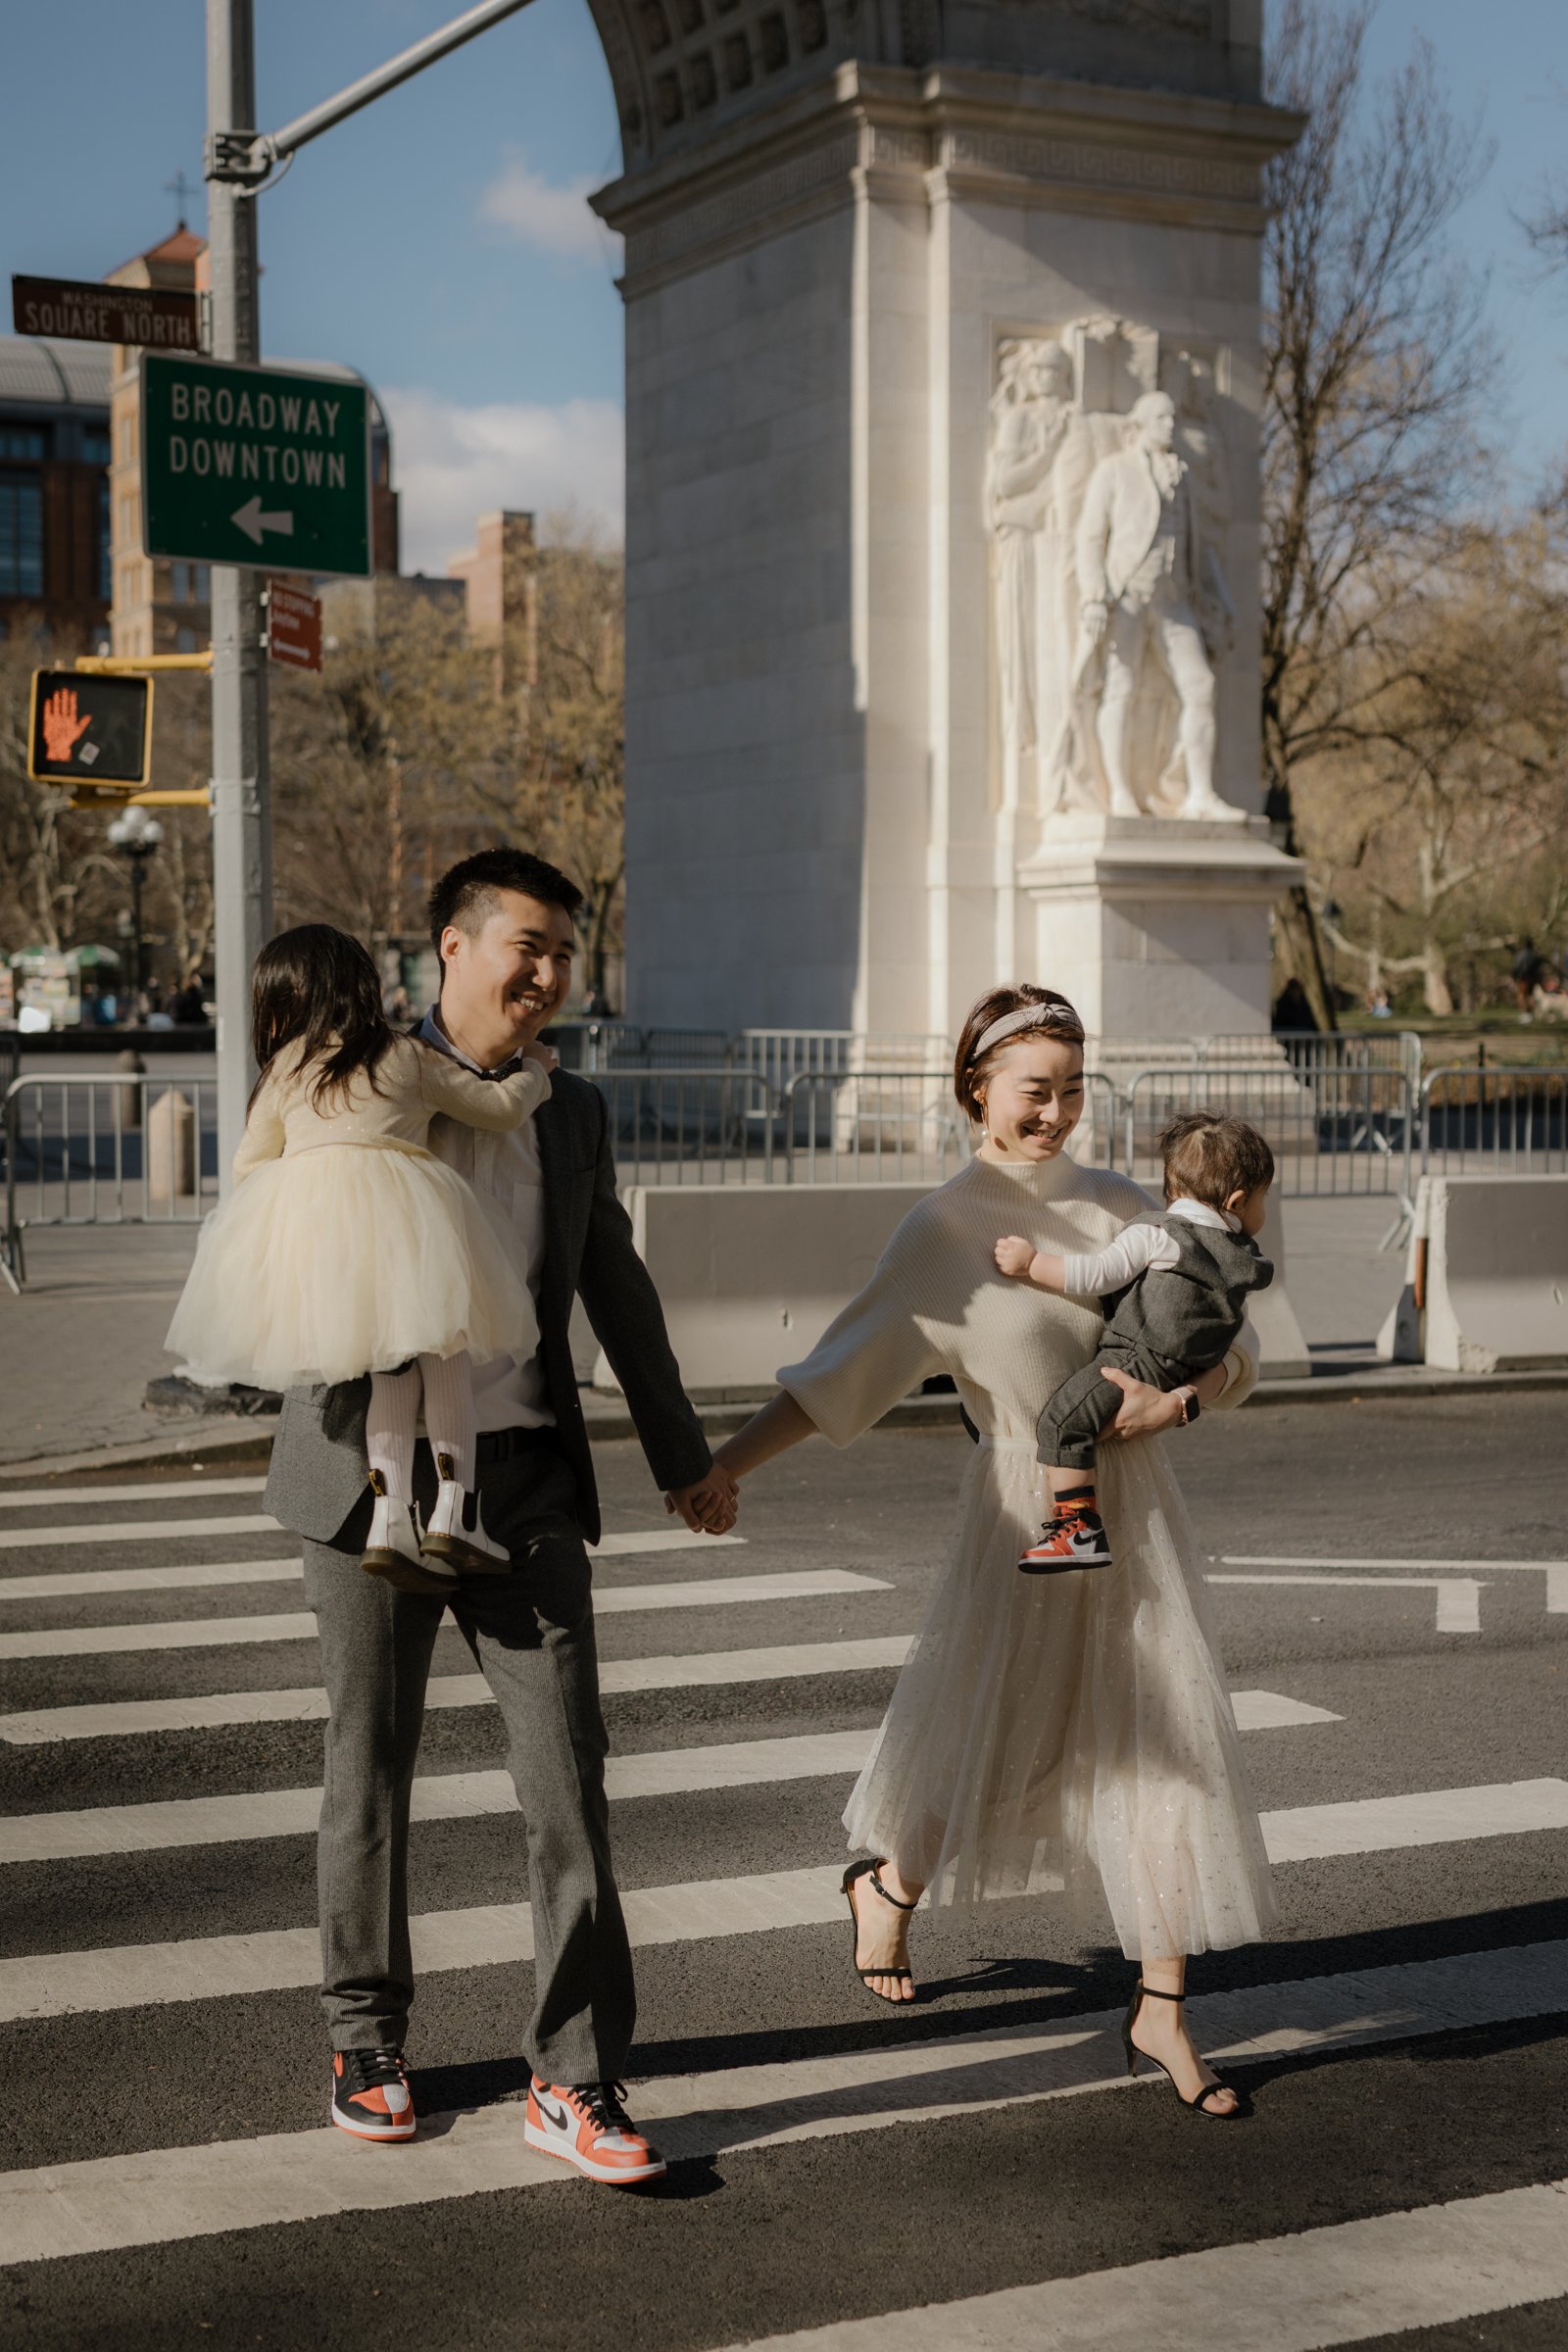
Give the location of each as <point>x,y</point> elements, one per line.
<point>532,1634</point>
<point>1069,1428</point>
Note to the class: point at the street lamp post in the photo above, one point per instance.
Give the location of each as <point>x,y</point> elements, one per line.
<point>136,835</point>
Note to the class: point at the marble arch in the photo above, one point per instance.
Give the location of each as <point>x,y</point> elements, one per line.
<point>838,215</point>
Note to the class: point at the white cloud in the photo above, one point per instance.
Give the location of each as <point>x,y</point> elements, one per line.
<point>452,463</point>
<point>555,220</point>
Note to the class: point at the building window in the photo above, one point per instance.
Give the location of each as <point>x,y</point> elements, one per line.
<point>95,444</point>
<point>21,536</point>
<point>22,441</point>
<point>185,641</point>
<point>203,577</point>
<point>179,583</point>
<point>106,576</point>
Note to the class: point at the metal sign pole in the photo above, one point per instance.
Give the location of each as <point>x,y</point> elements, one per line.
<point>242,851</point>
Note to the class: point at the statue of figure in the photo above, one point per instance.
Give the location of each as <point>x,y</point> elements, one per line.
<point>1148,583</point>
<point>1030,413</point>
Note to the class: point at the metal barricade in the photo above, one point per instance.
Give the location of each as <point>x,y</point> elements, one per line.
<point>1495,1121</point>
<point>897,1126</point>
<point>781,1055</point>
<point>106,1150</point>
<point>696,1126</point>
<point>588,1046</point>
<point>1333,1131</point>
<point>1315,1050</point>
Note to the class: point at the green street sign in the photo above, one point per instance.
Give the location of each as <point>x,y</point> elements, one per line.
<point>267,467</point>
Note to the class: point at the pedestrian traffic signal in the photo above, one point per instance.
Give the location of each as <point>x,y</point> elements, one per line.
<point>91,734</point>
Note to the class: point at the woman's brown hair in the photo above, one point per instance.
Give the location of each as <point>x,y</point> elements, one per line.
<point>317,988</point>
<point>971,1068</point>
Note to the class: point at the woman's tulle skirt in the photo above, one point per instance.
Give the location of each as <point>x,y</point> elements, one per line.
<point>344,1259</point>
<point>1072,1729</point>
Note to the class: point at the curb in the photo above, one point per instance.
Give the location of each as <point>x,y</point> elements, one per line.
<point>250,1439</point>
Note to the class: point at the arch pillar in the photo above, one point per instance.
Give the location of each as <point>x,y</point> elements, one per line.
<point>822,274</point>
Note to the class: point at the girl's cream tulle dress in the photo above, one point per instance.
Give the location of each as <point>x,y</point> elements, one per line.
<point>1052,1728</point>
<point>346,1246</point>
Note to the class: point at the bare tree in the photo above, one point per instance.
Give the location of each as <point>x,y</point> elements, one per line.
<point>1376,372</point>
<point>1449,821</point>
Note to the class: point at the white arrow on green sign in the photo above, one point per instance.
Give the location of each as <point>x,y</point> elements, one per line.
<point>237,461</point>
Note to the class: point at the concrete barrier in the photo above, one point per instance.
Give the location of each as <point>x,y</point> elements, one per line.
<point>751,1275</point>
<point>172,1148</point>
<point>1487,1279</point>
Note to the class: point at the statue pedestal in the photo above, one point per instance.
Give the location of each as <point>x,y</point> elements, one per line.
<point>1153,926</point>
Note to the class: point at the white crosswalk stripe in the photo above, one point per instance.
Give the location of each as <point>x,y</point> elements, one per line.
<point>610,1600</point>
<point>126,1976</point>
<point>1255,1710</point>
<point>186,1575</point>
<point>17,1498</point>
<point>1334,2285</point>
<point>249,2183</point>
<point>450,1797</point>
<point>1388,2275</point>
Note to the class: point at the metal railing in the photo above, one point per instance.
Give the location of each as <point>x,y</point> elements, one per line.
<point>589,1046</point>
<point>782,1055</point>
<point>1332,1130</point>
<point>106,1150</point>
<point>1499,1121</point>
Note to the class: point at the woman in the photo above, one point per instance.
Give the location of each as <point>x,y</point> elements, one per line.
<point>1078,1723</point>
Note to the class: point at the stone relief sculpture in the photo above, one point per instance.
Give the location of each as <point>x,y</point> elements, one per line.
<point>1111,607</point>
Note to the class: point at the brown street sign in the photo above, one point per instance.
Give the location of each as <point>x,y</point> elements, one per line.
<point>91,733</point>
<point>79,311</point>
<point>293,626</point>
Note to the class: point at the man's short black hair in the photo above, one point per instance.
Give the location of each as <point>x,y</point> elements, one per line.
<point>465,893</point>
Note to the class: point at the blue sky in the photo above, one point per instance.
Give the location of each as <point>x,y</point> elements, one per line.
<point>439,243</point>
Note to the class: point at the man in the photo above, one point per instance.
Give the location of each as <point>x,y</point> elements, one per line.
<point>1142,577</point>
<point>502,926</point>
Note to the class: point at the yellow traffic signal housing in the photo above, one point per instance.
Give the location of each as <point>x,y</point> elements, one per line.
<point>91,734</point>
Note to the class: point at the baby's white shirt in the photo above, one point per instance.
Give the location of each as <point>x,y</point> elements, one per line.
<point>1137,1250</point>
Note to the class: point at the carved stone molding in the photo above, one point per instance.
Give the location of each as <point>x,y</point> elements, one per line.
<point>1147,171</point>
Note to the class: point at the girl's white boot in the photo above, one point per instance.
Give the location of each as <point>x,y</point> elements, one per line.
<point>451,1537</point>
<point>392,1547</point>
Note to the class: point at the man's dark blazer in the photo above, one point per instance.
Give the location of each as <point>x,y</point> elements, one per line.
<point>318,1473</point>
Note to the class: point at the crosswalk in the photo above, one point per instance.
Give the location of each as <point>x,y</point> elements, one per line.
<point>154,1744</point>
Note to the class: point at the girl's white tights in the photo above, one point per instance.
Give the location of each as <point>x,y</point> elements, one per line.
<point>393,1413</point>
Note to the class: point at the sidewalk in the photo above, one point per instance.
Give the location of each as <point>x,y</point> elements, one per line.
<point>79,1346</point>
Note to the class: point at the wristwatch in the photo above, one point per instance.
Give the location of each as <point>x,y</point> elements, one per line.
<point>1187,1397</point>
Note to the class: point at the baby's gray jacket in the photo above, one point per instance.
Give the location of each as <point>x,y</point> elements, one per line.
<point>1187,1316</point>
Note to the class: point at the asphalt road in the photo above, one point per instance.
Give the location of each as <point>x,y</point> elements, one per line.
<point>166,2176</point>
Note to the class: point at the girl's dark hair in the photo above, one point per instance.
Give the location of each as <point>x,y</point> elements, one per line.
<point>969,1070</point>
<point>318,988</point>
<point>1208,1157</point>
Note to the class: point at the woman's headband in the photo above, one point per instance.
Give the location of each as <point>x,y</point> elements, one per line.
<point>1028,1016</point>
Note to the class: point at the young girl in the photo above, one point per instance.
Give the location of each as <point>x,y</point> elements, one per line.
<point>347,1248</point>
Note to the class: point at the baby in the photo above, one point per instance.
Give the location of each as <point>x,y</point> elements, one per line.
<point>1174,1290</point>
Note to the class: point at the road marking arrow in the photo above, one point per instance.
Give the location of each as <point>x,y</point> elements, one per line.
<point>253,522</point>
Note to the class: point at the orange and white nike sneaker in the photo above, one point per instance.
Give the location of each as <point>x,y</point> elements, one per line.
<point>370,2094</point>
<point>587,2126</point>
<point>1073,1536</point>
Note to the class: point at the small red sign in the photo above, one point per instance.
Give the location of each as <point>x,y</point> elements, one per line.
<point>293,626</point>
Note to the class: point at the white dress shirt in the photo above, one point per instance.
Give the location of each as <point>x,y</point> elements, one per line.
<point>1136,1249</point>
<point>503,1169</point>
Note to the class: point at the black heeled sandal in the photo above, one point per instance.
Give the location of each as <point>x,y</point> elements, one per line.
<point>863,1869</point>
<point>1194,2105</point>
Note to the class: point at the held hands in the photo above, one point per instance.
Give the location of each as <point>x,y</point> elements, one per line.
<point>1015,1257</point>
<point>542,1053</point>
<point>711,1506</point>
